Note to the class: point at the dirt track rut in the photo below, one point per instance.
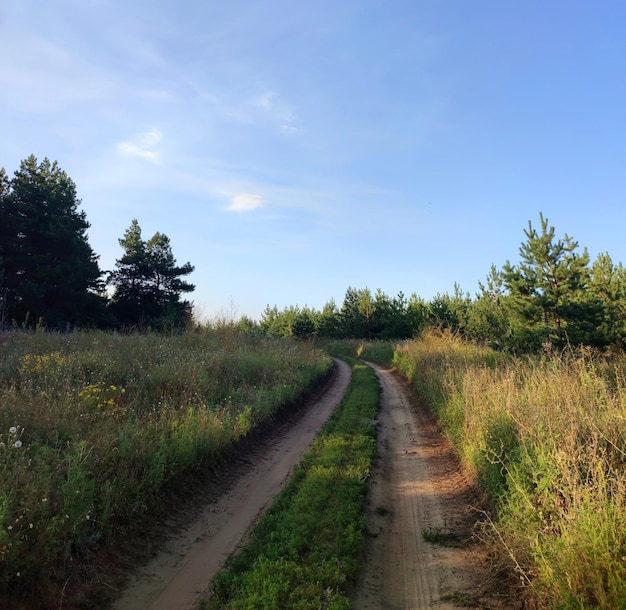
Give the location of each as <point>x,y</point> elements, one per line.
<point>415,485</point>
<point>181,572</point>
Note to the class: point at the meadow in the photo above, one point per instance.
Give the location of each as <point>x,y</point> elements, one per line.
<point>546,439</point>
<point>97,428</point>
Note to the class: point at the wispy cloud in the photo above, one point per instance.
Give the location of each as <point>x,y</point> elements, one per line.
<point>246,202</point>
<point>289,129</point>
<point>47,76</point>
<point>265,108</point>
<point>274,108</point>
<point>143,146</point>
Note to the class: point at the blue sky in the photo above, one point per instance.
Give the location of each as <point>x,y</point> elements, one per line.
<point>292,149</point>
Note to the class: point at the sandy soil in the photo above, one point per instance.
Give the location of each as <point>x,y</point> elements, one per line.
<point>181,572</point>
<point>417,485</point>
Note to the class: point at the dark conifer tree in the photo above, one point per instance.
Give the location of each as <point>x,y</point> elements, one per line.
<point>49,271</point>
<point>355,313</point>
<point>148,284</point>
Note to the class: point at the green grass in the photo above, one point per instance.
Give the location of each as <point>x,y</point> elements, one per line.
<point>376,351</point>
<point>441,535</point>
<point>97,429</point>
<point>304,551</point>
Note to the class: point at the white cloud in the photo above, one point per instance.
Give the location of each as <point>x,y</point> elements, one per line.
<point>143,146</point>
<point>246,202</point>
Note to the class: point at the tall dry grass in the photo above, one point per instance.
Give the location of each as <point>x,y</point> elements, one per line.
<point>546,438</point>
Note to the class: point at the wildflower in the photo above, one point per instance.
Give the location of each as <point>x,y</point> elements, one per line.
<point>17,444</point>
<point>13,430</point>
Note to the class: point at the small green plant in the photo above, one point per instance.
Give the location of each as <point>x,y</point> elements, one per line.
<point>458,599</point>
<point>440,535</point>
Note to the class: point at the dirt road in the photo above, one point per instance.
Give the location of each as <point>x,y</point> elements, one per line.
<point>416,486</point>
<point>181,572</point>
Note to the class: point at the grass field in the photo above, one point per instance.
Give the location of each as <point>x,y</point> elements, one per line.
<point>95,429</point>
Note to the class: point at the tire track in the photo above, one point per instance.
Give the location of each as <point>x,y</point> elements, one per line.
<point>183,570</point>
<point>415,485</point>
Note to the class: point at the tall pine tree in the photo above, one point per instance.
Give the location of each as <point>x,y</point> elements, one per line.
<point>49,271</point>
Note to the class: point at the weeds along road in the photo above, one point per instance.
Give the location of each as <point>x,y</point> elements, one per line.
<point>175,578</point>
<point>416,486</point>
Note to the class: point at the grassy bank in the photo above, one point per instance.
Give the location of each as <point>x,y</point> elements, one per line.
<point>546,438</point>
<point>304,551</point>
<point>95,428</point>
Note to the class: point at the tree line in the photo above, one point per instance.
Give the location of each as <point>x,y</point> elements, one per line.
<point>553,298</point>
<point>50,275</point>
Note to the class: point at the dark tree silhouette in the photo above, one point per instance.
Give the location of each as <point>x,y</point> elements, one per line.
<point>148,284</point>
<point>48,270</point>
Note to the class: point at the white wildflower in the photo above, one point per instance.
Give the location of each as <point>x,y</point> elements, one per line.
<point>12,430</point>
<point>17,444</point>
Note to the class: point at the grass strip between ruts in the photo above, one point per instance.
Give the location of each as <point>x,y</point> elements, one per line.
<point>304,551</point>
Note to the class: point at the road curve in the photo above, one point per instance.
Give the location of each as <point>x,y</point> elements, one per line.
<point>182,571</point>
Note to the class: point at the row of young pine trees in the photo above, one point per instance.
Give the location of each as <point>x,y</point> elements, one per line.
<point>555,296</point>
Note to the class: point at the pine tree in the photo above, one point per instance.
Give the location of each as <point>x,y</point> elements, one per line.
<point>608,286</point>
<point>329,320</point>
<point>148,284</point>
<point>356,313</point>
<point>548,290</point>
<point>50,272</point>
<point>488,313</point>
